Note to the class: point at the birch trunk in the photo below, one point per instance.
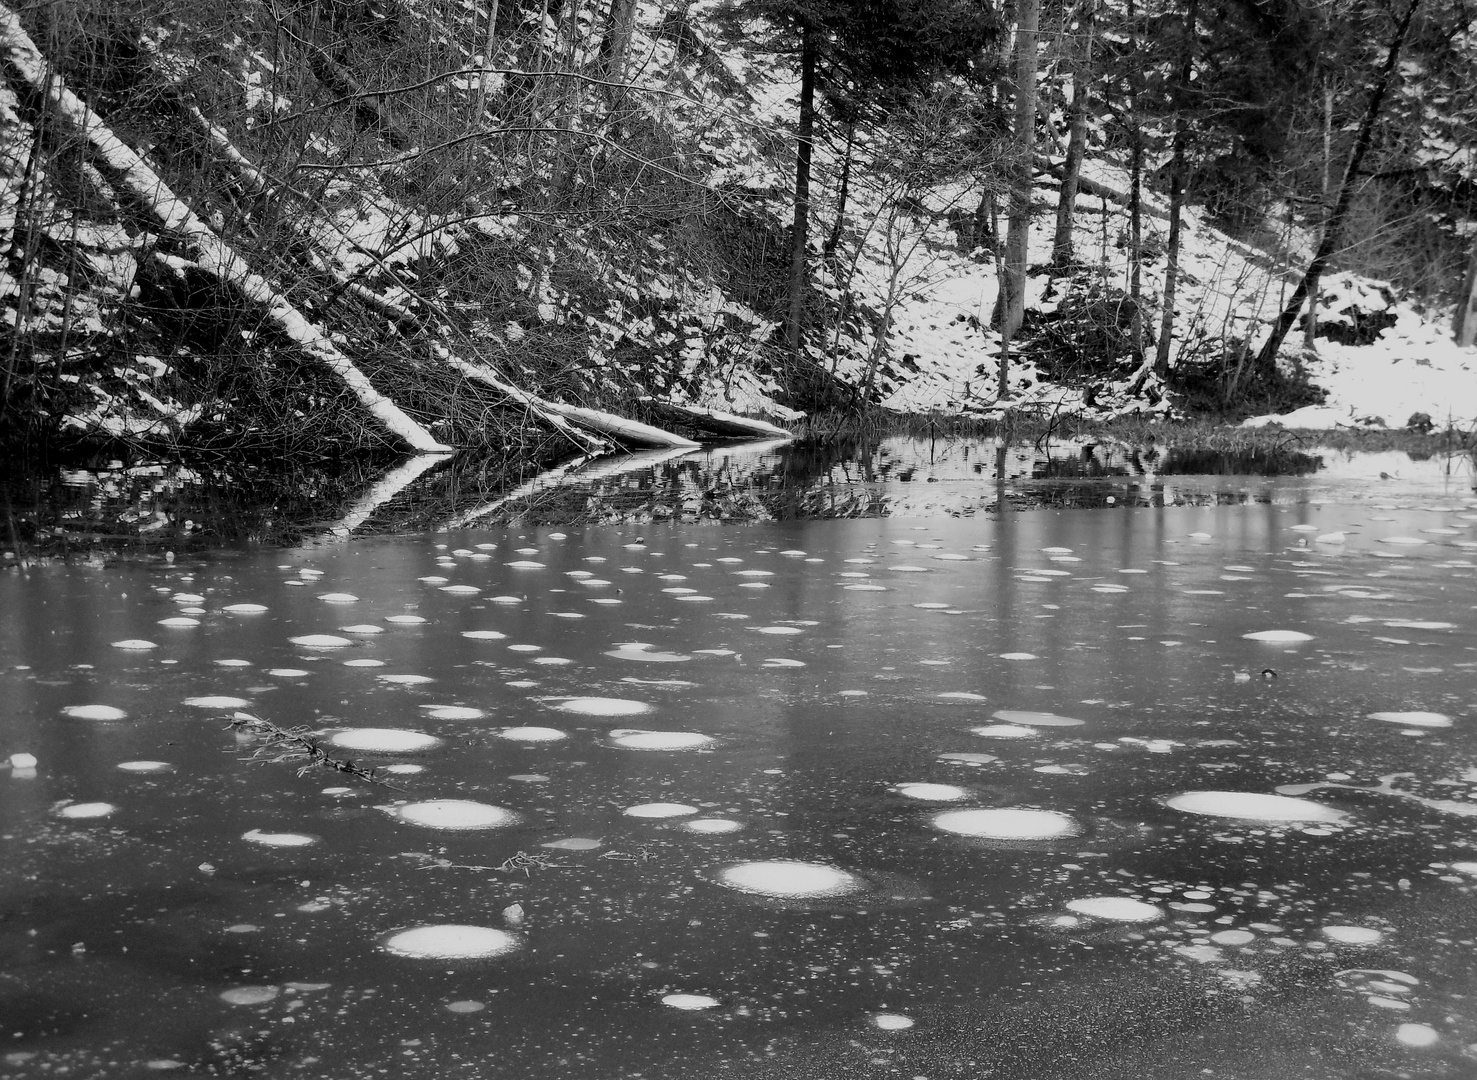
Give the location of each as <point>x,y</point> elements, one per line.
<point>1010,302</point>
<point>209,251</point>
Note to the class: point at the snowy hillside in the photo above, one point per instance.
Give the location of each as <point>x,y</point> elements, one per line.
<point>523,232</point>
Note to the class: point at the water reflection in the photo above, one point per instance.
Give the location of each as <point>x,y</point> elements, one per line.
<point>172,507</point>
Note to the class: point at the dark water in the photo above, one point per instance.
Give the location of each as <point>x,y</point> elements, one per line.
<point>161,934</point>
<point>154,508</point>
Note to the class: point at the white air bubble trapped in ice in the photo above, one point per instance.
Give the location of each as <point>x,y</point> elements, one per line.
<point>384,741</point>
<point>453,712</point>
<point>455,814</point>
<point>1007,824</point>
<point>1252,806</point>
<point>1035,719</point>
<point>1116,909</point>
<point>1413,719</point>
<point>451,942</point>
<point>689,1001</point>
<point>660,740</point>
<point>279,839</point>
<point>217,701</point>
<point>94,712</point>
<point>712,826</point>
<point>1276,636</point>
<point>321,641</point>
<point>85,810</point>
<point>1353,935</point>
<point>932,792</point>
<point>532,734</point>
<point>786,878</point>
<point>660,810</point>
<point>603,706</point>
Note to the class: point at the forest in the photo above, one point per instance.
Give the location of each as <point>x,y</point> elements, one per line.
<point>301,229</point>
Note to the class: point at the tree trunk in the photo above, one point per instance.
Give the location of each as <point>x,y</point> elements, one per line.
<point>1177,178</point>
<point>1062,254</point>
<point>1010,301</point>
<point>488,48</point>
<point>810,40</point>
<point>1310,323</point>
<point>212,254</point>
<point>370,110</point>
<point>1267,358</point>
<point>828,251</point>
<point>617,39</point>
<point>1464,326</point>
<point>1135,204</point>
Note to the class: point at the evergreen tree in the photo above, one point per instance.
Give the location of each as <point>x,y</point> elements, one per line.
<point>863,58</point>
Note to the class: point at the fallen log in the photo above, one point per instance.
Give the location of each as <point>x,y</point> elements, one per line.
<point>630,432</point>
<point>714,422</point>
<point>1086,186</point>
<point>210,252</point>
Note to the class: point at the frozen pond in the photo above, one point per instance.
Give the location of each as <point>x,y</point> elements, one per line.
<point>1132,792</point>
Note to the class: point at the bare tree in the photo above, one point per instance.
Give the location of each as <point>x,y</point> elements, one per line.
<point>1333,228</point>
<point>1062,255</point>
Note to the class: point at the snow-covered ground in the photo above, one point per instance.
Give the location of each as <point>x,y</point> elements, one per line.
<point>919,305</point>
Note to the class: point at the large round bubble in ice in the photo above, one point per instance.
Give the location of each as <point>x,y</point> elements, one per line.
<point>1413,719</point>
<point>94,712</point>
<point>532,734</point>
<point>1116,909</point>
<point>660,740</point>
<point>932,792</point>
<point>384,741</point>
<point>1252,806</point>
<point>451,942</point>
<point>603,706</point>
<point>787,878</point>
<point>1007,823</point>
<point>1035,719</point>
<point>455,814</point>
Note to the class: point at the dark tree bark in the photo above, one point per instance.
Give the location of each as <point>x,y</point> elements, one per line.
<point>618,26</point>
<point>1063,256</point>
<point>1178,169</point>
<point>828,251</point>
<point>1266,359</point>
<point>805,144</point>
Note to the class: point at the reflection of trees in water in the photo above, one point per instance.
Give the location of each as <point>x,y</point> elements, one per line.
<point>159,506</point>
<point>1125,459</point>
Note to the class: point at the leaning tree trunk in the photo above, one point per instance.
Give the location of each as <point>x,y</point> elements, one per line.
<point>1063,256</point>
<point>843,192</point>
<point>1266,359</point>
<point>1010,301</point>
<point>210,253</point>
<point>805,145</point>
